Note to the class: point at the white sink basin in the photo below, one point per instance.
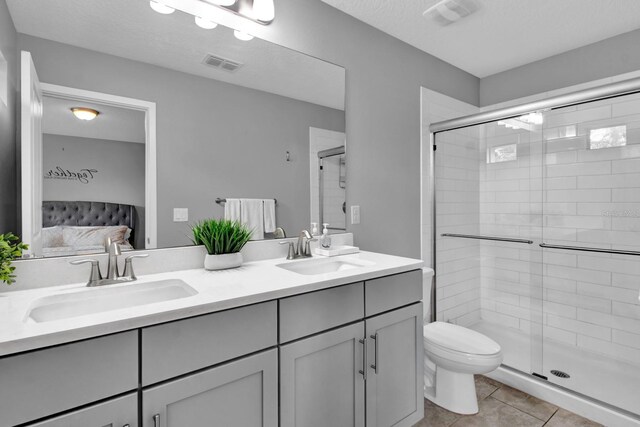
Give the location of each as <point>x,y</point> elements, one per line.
<point>97,300</point>
<point>322,266</point>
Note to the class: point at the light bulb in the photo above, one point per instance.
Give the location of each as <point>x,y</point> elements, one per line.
<point>161,8</point>
<point>240,35</point>
<point>83,113</point>
<point>205,23</point>
<point>264,10</point>
<point>223,2</point>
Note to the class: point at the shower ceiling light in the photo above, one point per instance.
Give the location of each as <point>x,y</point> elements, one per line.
<point>161,7</point>
<point>84,113</point>
<point>264,10</point>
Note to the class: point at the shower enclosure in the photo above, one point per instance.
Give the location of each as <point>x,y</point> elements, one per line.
<point>537,225</point>
<point>332,185</point>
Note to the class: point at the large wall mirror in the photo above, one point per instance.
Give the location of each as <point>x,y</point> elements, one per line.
<point>145,123</point>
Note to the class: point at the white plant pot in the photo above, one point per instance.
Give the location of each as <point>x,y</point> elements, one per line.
<point>222,262</point>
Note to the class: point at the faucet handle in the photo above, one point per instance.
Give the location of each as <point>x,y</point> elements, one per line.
<point>292,251</point>
<point>128,265</point>
<point>307,248</point>
<point>95,275</point>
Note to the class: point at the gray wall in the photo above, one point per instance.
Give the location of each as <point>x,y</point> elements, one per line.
<point>8,186</point>
<point>213,139</point>
<point>120,166</point>
<point>610,57</point>
<point>384,76</point>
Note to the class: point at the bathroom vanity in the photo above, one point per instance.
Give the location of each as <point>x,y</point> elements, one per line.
<point>272,343</point>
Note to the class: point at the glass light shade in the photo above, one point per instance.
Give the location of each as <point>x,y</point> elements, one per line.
<point>264,10</point>
<point>205,23</point>
<point>85,113</point>
<point>161,8</point>
<point>223,2</point>
<point>240,35</point>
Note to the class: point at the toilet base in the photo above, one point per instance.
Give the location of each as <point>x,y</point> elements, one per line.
<point>453,391</point>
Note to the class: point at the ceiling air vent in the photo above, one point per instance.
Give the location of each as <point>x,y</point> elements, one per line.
<point>222,63</point>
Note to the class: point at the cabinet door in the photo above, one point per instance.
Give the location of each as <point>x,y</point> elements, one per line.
<point>120,412</point>
<point>240,393</point>
<point>320,382</point>
<point>394,368</point>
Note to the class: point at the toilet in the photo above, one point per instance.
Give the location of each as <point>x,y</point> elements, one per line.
<point>453,354</point>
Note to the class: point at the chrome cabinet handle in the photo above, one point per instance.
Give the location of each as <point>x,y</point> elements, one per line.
<point>156,420</point>
<point>375,353</point>
<point>363,371</point>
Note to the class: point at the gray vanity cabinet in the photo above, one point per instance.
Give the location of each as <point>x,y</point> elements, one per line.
<point>395,364</point>
<point>120,412</point>
<point>239,393</point>
<point>320,382</point>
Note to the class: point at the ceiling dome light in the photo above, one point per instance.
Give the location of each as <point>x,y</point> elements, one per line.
<point>160,7</point>
<point>83,113</point>
<point>264,10</point>
<point>241,35</point>
<point>207,24</point>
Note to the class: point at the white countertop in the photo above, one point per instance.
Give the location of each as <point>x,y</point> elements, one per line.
<point>252,283</point>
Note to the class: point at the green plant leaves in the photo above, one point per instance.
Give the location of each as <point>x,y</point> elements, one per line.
<point>220,236</point>
<point>10,248</point>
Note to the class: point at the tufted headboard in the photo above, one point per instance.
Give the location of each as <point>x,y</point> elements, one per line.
<point>88,214</point>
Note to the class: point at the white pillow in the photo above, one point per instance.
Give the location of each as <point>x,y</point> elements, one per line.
<point>93,236</point>
<point>52,237</point>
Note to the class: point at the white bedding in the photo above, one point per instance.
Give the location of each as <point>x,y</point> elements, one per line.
<point>70,240</point>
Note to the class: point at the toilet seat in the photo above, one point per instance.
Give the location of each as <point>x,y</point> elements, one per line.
<point>457,340</point>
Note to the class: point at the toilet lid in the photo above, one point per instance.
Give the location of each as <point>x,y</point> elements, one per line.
<point>458,338</point>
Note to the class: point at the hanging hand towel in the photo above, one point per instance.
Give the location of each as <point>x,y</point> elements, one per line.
<point>269,215</point>
<point>252,215</point>
<point>232,210</point>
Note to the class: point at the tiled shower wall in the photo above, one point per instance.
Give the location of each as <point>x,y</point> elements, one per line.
<point>591,198</point>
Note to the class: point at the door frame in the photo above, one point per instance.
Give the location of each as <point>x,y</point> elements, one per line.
<point>149,110</point>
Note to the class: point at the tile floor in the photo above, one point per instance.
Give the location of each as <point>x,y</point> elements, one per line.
<point>503,406</point>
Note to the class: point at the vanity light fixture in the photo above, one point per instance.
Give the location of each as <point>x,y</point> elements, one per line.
<point>205,23</point>
<point>238,15</point>
<point>84,113</point>
<point>161,7</point>
<point>241,35</point>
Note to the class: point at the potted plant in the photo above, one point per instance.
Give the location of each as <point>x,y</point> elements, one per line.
<point>223,240</point>
<point>10,248</point>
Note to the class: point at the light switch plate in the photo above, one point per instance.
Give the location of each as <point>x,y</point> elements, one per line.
<point>180,214</point>
<point>355,214</point>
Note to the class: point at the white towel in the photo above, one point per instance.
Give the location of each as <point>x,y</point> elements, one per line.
<point>269,215</point>
<point>232,210</point>
<point>252,215</point>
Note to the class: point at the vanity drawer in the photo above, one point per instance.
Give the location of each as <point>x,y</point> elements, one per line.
<point>307,314</point>
<point>45,382</point>
<point>176,348</point>
<point>387,293</point>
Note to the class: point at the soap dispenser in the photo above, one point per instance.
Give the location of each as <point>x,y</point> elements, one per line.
<point>314,229</point>
<point>325,240</point>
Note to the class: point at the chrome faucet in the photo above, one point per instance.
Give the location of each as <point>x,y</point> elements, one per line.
<point>303,248</point>
<point>113,249</point>
<point>113,276</point>
<point>303,244</point>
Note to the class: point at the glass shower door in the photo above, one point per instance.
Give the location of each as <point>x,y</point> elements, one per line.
<point>488,217</point>
<point>591,233</point>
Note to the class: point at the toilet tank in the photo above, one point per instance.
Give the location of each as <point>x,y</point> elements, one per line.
<point>427,283</point>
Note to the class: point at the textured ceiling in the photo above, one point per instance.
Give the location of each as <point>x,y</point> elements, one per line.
<point>131,29</point>
<point>113,123</point>
<point>502,34</point>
